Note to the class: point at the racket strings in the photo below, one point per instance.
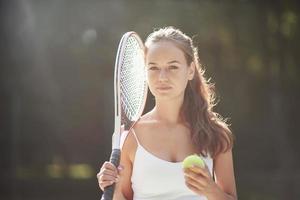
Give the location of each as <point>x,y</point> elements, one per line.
<point>132,80</point>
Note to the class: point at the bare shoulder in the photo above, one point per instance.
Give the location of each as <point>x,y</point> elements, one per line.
<point>142,126</point>
<point>129,146</point>
<point>224,157</point>
<point>145,123</point>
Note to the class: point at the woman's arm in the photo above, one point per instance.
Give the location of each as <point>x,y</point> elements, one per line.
<point>123,187</point>
<point>224,175</point>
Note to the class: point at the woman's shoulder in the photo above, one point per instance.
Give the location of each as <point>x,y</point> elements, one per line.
<point>128,144</point>
<point>144,123</point>
<point>129,138</point>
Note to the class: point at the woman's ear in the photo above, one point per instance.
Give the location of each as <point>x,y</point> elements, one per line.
<point>191,71</point>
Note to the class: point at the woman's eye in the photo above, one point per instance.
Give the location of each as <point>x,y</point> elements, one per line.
<point>173,67</point>
<point>153,68</point>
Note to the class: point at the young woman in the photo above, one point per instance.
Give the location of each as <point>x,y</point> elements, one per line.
<point>181,123</point>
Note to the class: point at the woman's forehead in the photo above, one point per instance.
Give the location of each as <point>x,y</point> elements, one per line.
<point>164,52</point>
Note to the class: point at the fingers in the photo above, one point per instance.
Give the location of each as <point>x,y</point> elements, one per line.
<point>194,187</point>
<point>108,175</point>
<point>198,170</point>
<point>197,179</point>
<point>108,165</point>
<point>105,184</point>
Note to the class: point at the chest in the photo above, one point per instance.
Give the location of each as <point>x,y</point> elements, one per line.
<point>156,179</point>
<point>169,144</point>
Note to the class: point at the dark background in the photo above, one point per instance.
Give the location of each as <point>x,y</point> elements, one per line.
<point>56,92</point>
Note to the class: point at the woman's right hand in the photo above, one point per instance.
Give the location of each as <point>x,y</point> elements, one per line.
<point>108,175</point>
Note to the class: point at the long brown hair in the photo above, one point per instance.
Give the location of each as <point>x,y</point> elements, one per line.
<point>209,130</point>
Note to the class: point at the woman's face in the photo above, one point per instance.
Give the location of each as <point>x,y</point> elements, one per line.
<point>167,70</point>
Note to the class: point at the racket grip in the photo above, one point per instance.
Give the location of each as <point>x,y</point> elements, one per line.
<point>109,190</point>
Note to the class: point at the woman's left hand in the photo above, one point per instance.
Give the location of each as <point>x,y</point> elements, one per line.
<point>199,180</point>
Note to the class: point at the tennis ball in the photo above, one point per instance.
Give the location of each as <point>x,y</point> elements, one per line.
<point>191,160</point>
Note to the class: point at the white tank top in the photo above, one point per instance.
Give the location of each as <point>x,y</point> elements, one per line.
<point>157,179</point>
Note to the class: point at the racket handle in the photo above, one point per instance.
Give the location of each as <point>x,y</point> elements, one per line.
<point>109,190</point>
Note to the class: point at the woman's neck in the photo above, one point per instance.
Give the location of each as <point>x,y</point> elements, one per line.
<point>168,111</point>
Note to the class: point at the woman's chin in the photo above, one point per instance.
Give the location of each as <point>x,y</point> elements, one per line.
<point>167,96</point>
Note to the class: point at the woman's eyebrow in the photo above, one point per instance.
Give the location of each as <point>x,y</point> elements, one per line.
<point>171,62</point>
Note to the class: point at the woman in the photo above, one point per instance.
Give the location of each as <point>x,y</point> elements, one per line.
<point>181,123</point>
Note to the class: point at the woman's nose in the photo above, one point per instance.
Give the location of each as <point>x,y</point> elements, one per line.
<point>163,75</point>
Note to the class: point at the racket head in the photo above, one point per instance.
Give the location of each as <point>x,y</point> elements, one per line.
<point>130,84</point>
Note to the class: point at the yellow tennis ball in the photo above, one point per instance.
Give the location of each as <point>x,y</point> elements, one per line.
<point>191,160</point>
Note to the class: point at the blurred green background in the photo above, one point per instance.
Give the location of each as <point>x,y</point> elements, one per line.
<point>56,92</point>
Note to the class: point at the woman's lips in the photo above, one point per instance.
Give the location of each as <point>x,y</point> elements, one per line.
<point>163,88</point>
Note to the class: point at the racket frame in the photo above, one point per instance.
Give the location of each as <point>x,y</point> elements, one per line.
<point>118,127</point>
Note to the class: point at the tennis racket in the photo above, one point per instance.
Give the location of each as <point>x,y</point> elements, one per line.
<point>130,92</point>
